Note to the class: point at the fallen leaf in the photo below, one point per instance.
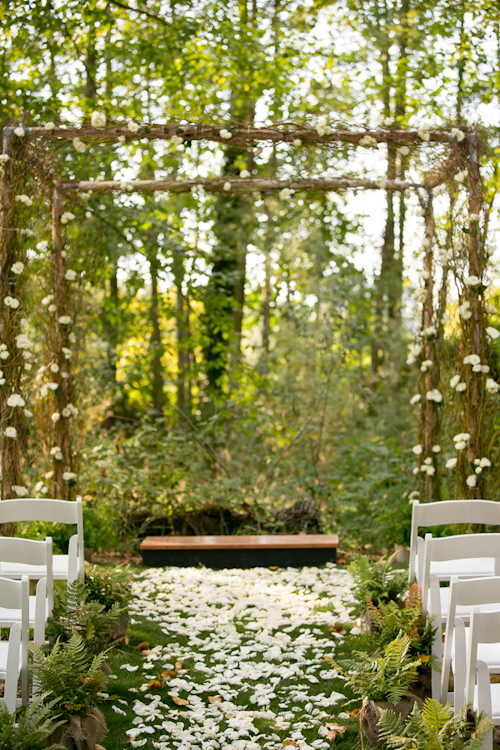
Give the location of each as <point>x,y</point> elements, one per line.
<point>494,679</point>
<point>147,652</point>
<point>155,684</point>
<point>354,713</point>
<point>168,674</point>
<point>179,701</point>
<point>273,567</point>
<point>335,731</point>
<point>143,644</point>
<point>178,665</point>
<point>337,629</point>
<point>214,699</point>
<point>424,658</point>
<point>286,743</point>
<point>328,659</point>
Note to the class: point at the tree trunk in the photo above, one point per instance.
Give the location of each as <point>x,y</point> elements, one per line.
<point>156,347</point>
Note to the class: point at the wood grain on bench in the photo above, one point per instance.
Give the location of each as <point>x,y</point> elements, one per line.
<point>284,541</point>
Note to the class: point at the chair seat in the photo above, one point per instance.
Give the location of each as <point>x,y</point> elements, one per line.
<point>17,570</point>
<point>9,616</point>
<point>471,567</point>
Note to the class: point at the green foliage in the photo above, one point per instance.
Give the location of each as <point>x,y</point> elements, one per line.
<point>376,581</point>
<point>70,675</point>
<point>76,613</point>
<point>108,586</point>
<point>433,726</point>
<point>385,678</point>
<point>29,727</point>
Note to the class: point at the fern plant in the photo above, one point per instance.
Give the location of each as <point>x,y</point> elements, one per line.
<point>28,728</point>
<point>70,675</point>
<point>73,613</point>
<point>376,580</point>
<point>385,678</point>
<point>434,726</point>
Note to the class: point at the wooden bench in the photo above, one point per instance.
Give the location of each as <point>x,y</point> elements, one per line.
<point>292,550</point>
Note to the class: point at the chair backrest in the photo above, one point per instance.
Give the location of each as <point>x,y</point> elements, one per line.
<point>484,628</point>
<point>47,509</point>
<point>14,595</point>
<point>459,547</point>
<point>448,512</point>
<point>31,552</point>
<point>465,592</point>
<point>12,667</point>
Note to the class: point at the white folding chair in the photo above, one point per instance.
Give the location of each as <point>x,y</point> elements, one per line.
<point>485,697</point>
<point>14,652</point>
<point>465,594</point>
<point>66,567</point>
<point>435,598</point>
<point>445,513</point>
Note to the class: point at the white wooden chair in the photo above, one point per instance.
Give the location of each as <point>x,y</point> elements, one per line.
<point>484,631</point>
<point>14,652</point>
<point>465,594</point>
<point>65,567</point>
<point>445,513</point>
<point>435,598</point>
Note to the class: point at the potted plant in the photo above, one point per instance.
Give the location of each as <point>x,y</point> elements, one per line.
<point>70,676</point>
<point>28,728</point>
<point>383,682</point>
<point>111,587</point>
<point>376,582</point>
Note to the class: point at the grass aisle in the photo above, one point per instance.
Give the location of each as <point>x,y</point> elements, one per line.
<point>234,659</point>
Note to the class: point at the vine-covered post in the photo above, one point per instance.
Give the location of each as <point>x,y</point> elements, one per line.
<point>59,367</point>
<point>430,395</point>
<point>14,344</point>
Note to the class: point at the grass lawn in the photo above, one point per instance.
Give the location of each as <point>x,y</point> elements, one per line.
<point>235,658</point>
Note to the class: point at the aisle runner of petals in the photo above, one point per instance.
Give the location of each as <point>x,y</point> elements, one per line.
<point>249,649</point>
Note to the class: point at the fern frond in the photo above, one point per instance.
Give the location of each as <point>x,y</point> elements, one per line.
<point>436,715</point>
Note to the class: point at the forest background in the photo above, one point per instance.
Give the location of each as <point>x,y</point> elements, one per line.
<point>238,353</point>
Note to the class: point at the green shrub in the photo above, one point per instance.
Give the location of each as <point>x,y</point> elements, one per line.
<point>27,728</point>
<point>108,586</point>
<point>377,582</point>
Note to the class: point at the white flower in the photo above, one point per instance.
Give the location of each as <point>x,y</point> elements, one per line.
<point>70,411</point>
<point>68,476</point>
<point>491,385</point>
<point>67,352</point>
<point>426,365</point>
<point>434,395</point>
<point>479,469</point>
<point>55,417</point>
<point>52,308</point>
<point>70,275</point>
<point>381,182</point>
<point>460,445</point>
<point>464,310</point>
<point>472,280</point>
<point>460,176</point>
<point>22,341</point>
<point>417,449</point>
<point>285,194</point>
<point>57,453</point>
<point>49,475</point>
<point>19,490</point>
<point>428,461</point>
<point>64,320</point>
<point>98,119</point>
<point>429,331</point>
<point>49,126</point>
<point>461,387</point>
<point>66,217</point>
<point>477,368</point>
<point>430,470</point>
<point>48,299</point>
<point>474,217</point>
<point>53,386</point>
<point>79,145</point>
<point>297,142</point>
<point>225,134</point>
<point>17,267</point>
<point>451,463</point>
<point>39,485</point>
<point>19,131</point>
<point>415,399</point>
<point>4,158</point>
<point>177,140</point>
<point>436,449</point>
<point>26,232</point>
<point>458,134</point>
<point>472,359</point>
<point>485,368</point>
<point>15,400</point>
<point>493,333</point>
<point>4,354</point>
<point>72,338</point>
<point>227,186</point>
<point>54,367</point>
<point>404,150</point>
<point>132,126</point>
<point>413,353</point>
<point>10,432</point>
<point>471,480</point>
<point>424,275</point>
<point>484,462</point>
<point>416,470</point>
<point>24,199</point>
<point>11,302</point>
<point>367,141</point>
<point>244,174</point>
<point>454,381</point>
